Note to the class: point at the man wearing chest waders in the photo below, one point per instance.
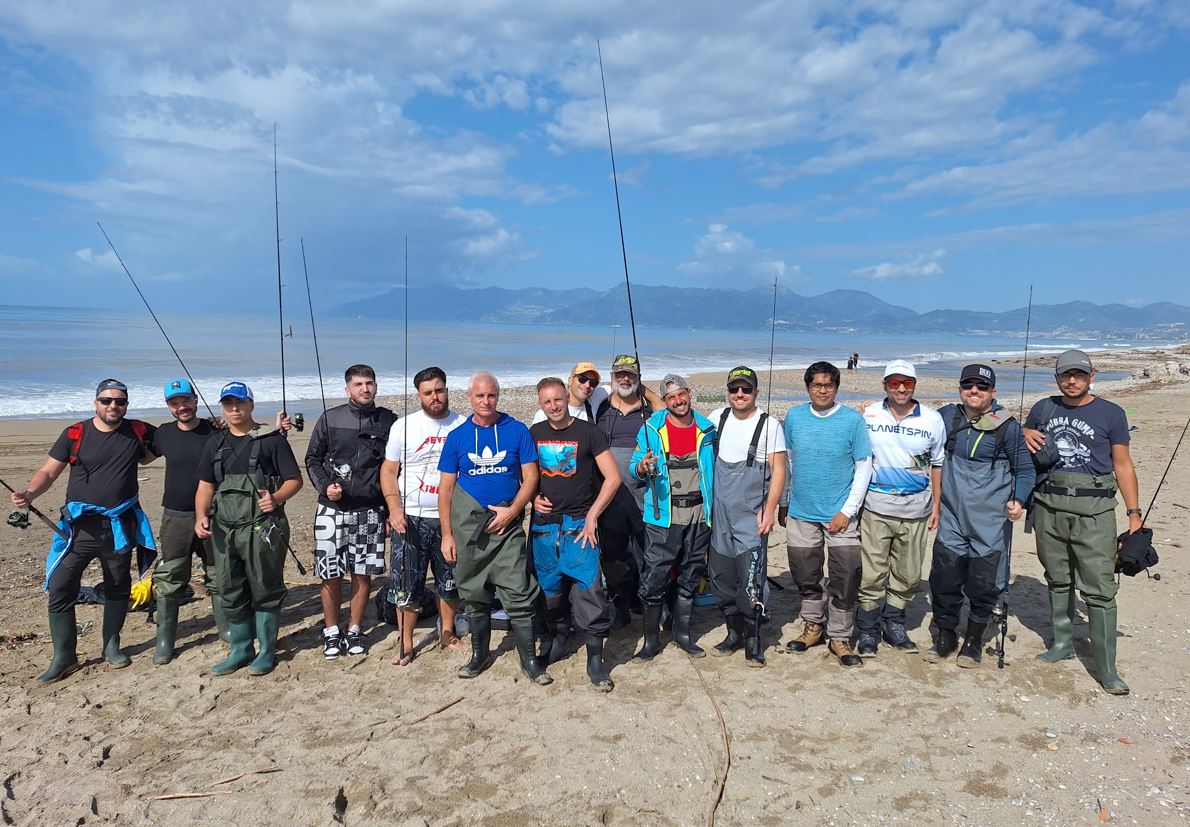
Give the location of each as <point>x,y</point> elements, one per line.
<point>986,481</point>
<point>244,482</point>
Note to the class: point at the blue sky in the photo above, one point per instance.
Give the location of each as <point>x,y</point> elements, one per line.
<point>936,153</point>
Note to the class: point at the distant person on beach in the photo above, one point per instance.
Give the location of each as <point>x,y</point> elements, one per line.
<point>489,474</point>
<point>749,451</point>
<point>1080,445</point>
<point>564,527</point>
<point>410,481</point>
<point>343,463</point>
<point>855,360</point>
<point>851,362</point>
<point>830,466</point>
<point>586,398</point>
<point>102,517</point>
<point>244,482</point>
<point>986,480</point>
<point>675,456</point>
<point>902,504</point>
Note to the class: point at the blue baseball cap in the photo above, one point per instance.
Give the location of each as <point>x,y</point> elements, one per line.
<point>178,387</point>
<point>235,390</point>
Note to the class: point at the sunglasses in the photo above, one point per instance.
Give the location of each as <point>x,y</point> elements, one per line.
<point>968,384</point>
<point>907,384</point>
<point>583,379</point>
<point>747,390</point>
<point>111,400</point>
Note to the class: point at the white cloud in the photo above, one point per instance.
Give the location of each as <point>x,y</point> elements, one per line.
<point>723,252</point>
<point>925,264</point>
<point>106,259</point>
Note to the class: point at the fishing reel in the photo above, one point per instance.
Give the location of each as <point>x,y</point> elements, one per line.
<point>299,422</point>
<point>342,472</point>
<point>18,519</point>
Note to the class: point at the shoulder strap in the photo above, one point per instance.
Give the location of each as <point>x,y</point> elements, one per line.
<point>254,463</point>
<point>756,439</point>
<point>219,452</point>
<point>140,429</point>
<point>75,434</point>
<point>718,431</point>
<point>590,413</point>
<point>952,433</point>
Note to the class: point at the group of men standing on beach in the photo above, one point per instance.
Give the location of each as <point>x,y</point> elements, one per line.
<point>637,501</point>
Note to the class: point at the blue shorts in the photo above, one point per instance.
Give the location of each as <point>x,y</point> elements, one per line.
<point>557,554</point>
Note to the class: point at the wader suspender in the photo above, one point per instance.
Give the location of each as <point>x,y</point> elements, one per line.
<point>953,433</point>
<point>253,462</point>
<point>590,413</point>
<point>753,446</point>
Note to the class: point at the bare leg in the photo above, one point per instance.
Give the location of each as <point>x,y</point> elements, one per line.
<point>332,598</point>
<point>448,639</point>
<point>406,620</point>
<point>361,590</point>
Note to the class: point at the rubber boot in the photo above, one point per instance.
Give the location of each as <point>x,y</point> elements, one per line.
<point>753,648</point>
<point>736,629</point>
<point>596,668</point>
<point>1103,648</point>
<point>268,624</point>
<point>64,633</point>
<point>944,645</point>
<point>220,616</point>
<point>167,630</point>
<point>240,634</point>
<point>623,612</point>
<point>868,622</point>
<point>972,651</point>
<point>1062,620</point>
<point>558,624</point>
<point>481,645</point>
<point>530,665</point>
<point>114,612</point>
<point>651,625</point>
<point>683,613</point>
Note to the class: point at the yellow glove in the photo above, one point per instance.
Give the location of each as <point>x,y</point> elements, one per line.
<point>142,592</point>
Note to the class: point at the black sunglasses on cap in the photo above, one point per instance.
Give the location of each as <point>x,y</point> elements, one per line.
<point>968,384</point>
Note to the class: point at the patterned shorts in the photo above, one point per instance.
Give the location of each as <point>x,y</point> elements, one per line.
<point>348,542</point>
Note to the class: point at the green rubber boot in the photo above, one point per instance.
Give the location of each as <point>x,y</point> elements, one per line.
<point>1062,620</point>
<point>220,616</point>
<point>114,612</point>
<point>240,636</point>
<point>64,633</point>
<point>167,630</point>
<point>267,625</point>
<point>1103,648</point>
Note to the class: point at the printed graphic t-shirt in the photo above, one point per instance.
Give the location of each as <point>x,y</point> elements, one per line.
<point>105,474</point>
<point>182,451</point>
<point>1085,433</point>
<point>488,459</point>
<point>419,462</point>
<point>904,452</point>
<point>567,461</point>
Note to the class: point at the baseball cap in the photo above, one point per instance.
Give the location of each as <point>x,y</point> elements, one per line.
<point>1073,360</point>
<point>586,367</point>
<point>235,390</point>
<point>745,373</point>
<point>110,385</point>
<point>982,372</point>
<point>899,367</point>
<point>178,387</point>
<point>673,382</point>
<point>626,363</point>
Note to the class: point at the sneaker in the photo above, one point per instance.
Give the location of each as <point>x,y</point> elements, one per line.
<point>896,637</point>
<point>332,645</point>
<point>355,643</point>
<point>867,645</point>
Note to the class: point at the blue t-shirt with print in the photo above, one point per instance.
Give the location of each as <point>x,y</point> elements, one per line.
<point>488,460</point>
<point>822,456</point>
<point>1084,434</point>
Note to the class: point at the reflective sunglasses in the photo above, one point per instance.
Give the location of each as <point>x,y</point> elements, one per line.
<point>968,384</point>
<point>907,384</point>
<point>583,379</point>
<point>111,400</point>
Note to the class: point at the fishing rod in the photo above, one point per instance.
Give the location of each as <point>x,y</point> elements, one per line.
<point>761,558</point>
<point>405,438</point>
<point>20,519</point>
<point>1157,491</point>
<point>299,421</point>
<point>624,254</point>
<point>193,384</point>
<point>313,330</point>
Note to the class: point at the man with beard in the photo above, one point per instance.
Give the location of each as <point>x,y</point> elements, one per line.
<point>409,479</point>
<point>343,462</point>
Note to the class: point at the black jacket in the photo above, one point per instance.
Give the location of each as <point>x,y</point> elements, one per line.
<point>347,447</point>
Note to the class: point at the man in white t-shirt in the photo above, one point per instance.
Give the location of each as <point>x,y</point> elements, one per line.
<point>902,504</point>
<point>409,480</point>
<point>749,480</point>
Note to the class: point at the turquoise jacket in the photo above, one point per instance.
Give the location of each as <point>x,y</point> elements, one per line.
<point>653,437</point>
<point>142,538</point>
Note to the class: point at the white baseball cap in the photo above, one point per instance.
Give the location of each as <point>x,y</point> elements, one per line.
<point>899,367</point>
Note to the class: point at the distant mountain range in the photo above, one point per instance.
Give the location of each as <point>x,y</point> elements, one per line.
<point>844,311</point>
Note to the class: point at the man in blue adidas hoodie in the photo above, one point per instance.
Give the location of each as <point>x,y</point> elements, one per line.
<point>675,456</point>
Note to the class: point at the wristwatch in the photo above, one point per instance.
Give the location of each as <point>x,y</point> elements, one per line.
<point>1132,511</point>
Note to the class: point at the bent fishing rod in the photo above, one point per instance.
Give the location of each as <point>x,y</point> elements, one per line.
<point>19,519</point>
<point>313,329</point>
<point>185,369</point>
<point>624,255</point>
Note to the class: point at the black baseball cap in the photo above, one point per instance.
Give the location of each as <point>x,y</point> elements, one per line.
<point>110,385</point>
<point>980,372</point>
<point>743,372</point>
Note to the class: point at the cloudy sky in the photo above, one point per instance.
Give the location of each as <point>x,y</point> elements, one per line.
<point>937,153</point>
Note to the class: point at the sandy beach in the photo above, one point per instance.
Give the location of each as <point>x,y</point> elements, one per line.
<point>359,741</point>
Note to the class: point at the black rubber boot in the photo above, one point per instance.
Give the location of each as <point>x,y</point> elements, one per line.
<point>1062,621</point>
<point>753,648</point>
<point>944,645</point>
<point>623,612</point>
<point>530,665</point>
<point>114,612</point>
<point>736,629</point>
<point>972,651</point>
<point>651,624</point>
<point>267,626</point>
<point>596,668</point>
<point>868,622</point>
<point>481,645</point>
<point>167,630</point>
<point>240,636</point>
<point>558,626</point>
<point>1103,648</point>
<point>683,614</point>
<point>64,633</point>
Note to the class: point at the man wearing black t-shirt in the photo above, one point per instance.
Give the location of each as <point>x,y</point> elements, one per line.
<point>247,479</point>
<point>102,517</point>
<point>565,516</point>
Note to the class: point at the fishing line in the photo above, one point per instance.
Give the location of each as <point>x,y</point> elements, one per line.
<point>280,310</point>
<point>313,330</point>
